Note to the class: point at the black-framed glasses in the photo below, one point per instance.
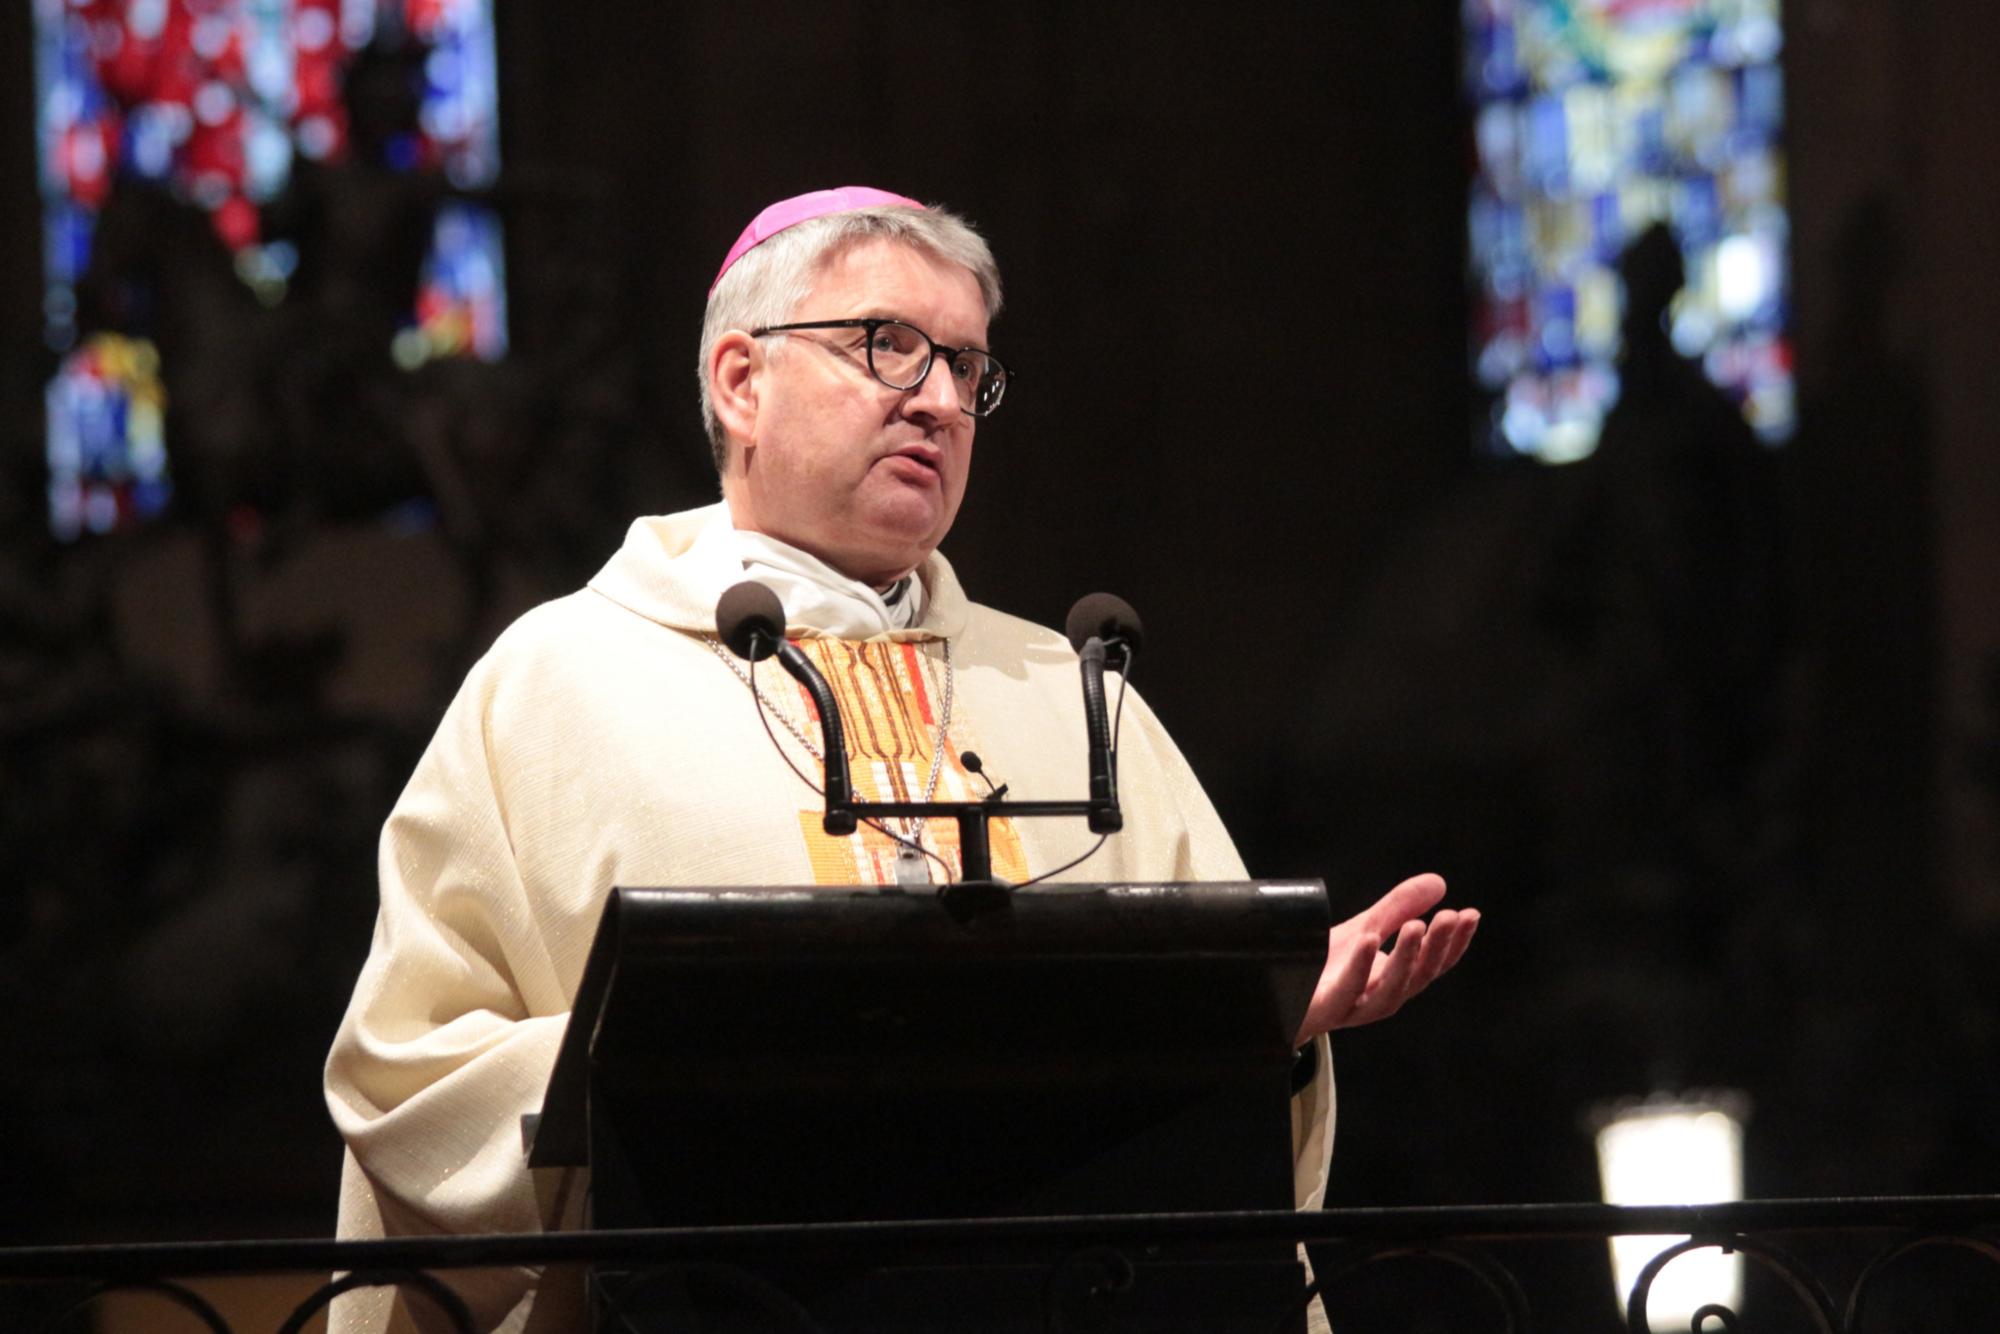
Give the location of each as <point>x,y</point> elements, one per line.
<point>900,356</point>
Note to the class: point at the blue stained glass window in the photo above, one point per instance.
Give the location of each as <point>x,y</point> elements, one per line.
<point>1593,120</point>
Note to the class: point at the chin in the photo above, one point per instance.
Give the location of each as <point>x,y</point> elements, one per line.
<point>913,536</point>
<point>891,559</point>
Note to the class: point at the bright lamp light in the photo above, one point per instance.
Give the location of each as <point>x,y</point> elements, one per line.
<point>1674,1150</point>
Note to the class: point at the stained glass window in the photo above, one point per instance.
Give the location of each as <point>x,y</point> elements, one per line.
<point>1592,120</point>
<point>215,102</point>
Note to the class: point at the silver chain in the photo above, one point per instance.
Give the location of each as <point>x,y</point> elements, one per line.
<point>913,826</point>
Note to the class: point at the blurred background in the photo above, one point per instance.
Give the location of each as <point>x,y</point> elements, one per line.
<point>1636,579</point>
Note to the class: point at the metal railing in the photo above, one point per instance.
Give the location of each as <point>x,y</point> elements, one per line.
<point>52,1288</point>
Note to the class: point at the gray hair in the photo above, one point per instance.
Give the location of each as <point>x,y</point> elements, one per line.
<point>773,279</point>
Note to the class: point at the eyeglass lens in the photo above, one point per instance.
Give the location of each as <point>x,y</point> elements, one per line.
<point>900,356</point>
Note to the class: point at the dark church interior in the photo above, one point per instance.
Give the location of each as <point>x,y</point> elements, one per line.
<point>1706,725</point>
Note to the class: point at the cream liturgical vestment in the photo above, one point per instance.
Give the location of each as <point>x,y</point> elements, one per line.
<point>603,741</point>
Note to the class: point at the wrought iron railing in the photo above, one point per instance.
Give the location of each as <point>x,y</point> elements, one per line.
<point>1837,1289</point>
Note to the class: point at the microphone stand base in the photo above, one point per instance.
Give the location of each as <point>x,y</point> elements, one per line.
<point>968,899</point>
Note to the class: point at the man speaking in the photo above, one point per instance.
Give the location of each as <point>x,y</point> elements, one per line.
<point>608,738</point>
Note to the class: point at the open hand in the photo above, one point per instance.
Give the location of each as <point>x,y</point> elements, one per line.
<point>1360,983</point>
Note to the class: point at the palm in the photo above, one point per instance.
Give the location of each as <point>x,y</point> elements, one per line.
<point>1360,983</point>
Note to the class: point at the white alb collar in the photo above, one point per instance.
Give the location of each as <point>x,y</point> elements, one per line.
<point>813,593</point>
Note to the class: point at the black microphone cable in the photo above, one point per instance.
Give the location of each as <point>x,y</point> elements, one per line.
<point>1074,861</point>
<point>913,845</point>
<point>748,613</point>
<point>1117,725</point>
<point>764,717</point>
<point>1129,644</point>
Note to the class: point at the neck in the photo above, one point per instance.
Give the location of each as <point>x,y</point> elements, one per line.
<point>744,518</point>
<point>814,591</point>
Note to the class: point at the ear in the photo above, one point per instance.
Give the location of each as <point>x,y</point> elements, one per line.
<point>733,367</point>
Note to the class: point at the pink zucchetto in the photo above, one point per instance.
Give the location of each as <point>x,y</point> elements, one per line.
<point>799,208</point>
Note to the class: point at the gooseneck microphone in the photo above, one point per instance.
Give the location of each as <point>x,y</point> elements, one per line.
<point>750,620</point>
<point>1110,618</point>
<point>974,765</point>
<point>1104,630</point>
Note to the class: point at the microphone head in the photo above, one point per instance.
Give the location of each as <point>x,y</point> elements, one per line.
<point>1106,616</point>
<point>750,620</point>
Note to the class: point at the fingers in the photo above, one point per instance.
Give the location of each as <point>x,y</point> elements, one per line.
<point>1397,981</point>
<point>1391,984</point>
<point>1468,926</point>
<point>1360,984</point>
<point>1422,953</point>
<point>1445,943</point>
<point>1340,986</point>
<point>1406,902</point>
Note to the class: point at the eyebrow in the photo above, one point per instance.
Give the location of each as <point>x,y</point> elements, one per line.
<point>885,313</point>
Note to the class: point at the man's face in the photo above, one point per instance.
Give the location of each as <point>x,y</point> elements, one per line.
<point>865,477</point>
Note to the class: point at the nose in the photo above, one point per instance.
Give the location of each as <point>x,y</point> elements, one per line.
<point>936,395</point>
